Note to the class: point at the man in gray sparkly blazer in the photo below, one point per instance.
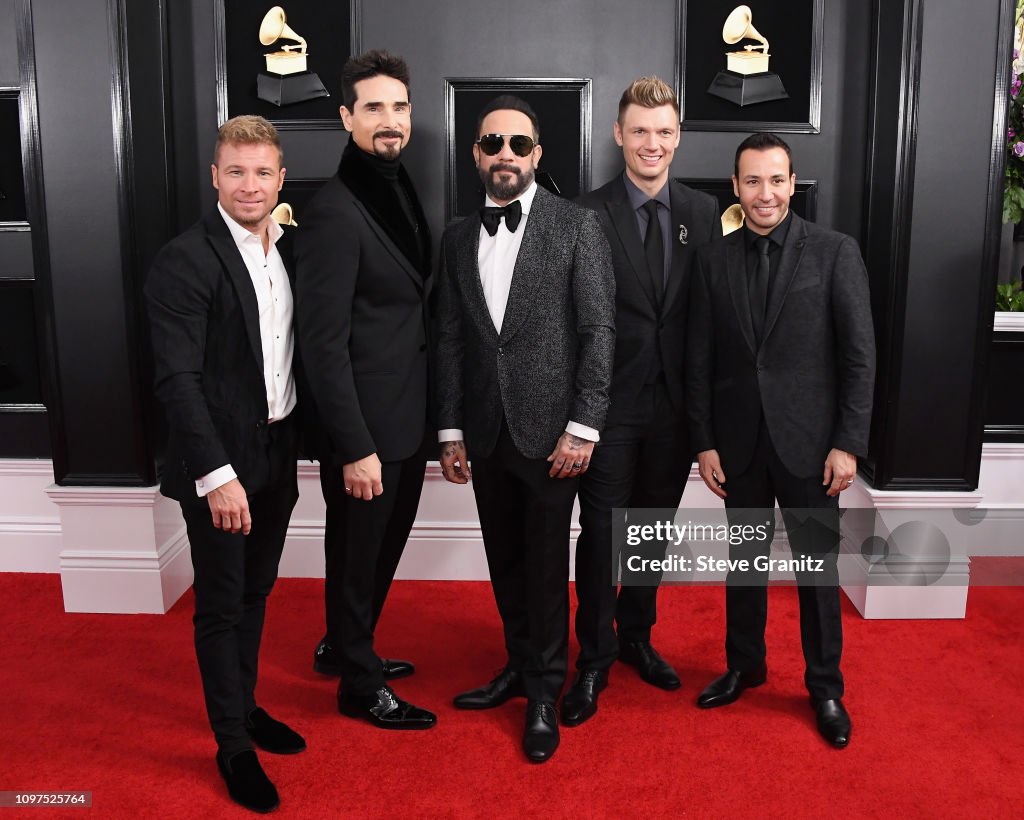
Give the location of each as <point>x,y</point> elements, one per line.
<point>525,343</point>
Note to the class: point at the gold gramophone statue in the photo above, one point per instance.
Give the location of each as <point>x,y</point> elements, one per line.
<point>287,79</point>
<point>746,79</point>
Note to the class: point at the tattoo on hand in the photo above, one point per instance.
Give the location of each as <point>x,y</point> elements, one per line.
<point>575,442</point>
<point>451,448</point>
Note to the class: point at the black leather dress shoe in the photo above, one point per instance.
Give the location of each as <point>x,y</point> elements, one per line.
<point>385,710</point>
<point>652,667</point>
<point>726,689</point>
<point>247,783</point>
<point>580,702</point>
<point>272,735</point>
<point>509,684</point>
<point>325,661</point>
<point>833,721</point>
<point>540,739</point>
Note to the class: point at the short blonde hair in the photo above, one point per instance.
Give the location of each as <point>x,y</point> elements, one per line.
<point>247,129</point>
<point>648,92</point>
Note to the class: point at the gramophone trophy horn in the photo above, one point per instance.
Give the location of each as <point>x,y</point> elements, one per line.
<point>732,219</point>
<point>746,79</point>
<point>287,79</point>
<point>284,214</point>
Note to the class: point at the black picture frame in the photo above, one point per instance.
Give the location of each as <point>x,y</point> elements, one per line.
<point>563,108</point>
<point>297,193</point>
<point>13,210</point>
<point>334,32</point>
<point>804,202</point>
<point>795,31</point>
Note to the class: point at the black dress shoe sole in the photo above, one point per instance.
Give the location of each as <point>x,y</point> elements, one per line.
<point>723,700</point>
<point>401,673</point>
<point>274,749</point>
<point>585,714</point>
<point>398,725</point>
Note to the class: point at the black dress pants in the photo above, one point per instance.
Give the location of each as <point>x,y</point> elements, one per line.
<point>812,523</point>
<point>234,574</point>
<point>363,543</point>
<point>642,464</point>
<point>525,517</point>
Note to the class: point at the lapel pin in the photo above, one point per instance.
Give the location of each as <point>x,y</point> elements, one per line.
<point>683,233</point>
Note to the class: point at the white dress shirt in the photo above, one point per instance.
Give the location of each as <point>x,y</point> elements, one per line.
<point>496,259</point>
<point>274,300</point>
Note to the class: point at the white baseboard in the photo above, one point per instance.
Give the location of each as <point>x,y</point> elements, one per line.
<point>149,565</point>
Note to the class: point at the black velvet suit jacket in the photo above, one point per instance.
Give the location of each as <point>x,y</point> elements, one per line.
<point>643,329</point>
<point>812,375</point>
<point>552,361</point>
<point>208,359</point>
<point>361,316</point>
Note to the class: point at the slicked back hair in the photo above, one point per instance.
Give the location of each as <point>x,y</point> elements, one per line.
<point>371,64</point>
<point>509,102</point>
<point>762,141</point>
<point>247,129</point>
<point>648,92</point>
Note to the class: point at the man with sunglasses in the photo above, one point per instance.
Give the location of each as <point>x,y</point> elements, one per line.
<point>653,225</point>
<point>362,283</point>
<point>526,301</point>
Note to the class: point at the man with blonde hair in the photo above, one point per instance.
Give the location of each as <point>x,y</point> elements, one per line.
<point>653,225</point>
<point>220,306</point>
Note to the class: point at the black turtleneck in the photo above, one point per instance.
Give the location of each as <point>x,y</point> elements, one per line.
<point>365,172</point>
<point>388,169</point>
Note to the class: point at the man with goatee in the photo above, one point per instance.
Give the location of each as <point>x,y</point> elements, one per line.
<point>362,282</point>
<point>526,332</point>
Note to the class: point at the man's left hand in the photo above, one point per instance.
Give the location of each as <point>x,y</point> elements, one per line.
<point>840,471</point>
<point>571,456</point>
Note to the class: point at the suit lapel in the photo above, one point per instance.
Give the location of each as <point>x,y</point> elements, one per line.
<point>527,270</point>
<point>736,273</point>
<point>224,246</point>
<point>682,215</point>
<point>623,220</point>
<point>389,244</point>
<point>468,250</point>
<point>792,253</point>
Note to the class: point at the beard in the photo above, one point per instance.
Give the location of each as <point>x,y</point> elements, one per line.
<point>500,190</point>
<point>388,152</point>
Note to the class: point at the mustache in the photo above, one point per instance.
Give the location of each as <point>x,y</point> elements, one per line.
<point>389,133</point>
<point>507,167</point>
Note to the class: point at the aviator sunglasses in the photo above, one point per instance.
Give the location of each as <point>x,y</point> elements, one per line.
<point>520,144</point>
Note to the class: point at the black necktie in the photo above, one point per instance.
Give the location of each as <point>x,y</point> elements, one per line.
<point>654,247</point>
<point>759,285</point>
<point>491,217</point>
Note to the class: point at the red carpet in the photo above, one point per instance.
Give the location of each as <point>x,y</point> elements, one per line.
<point>112,704</point>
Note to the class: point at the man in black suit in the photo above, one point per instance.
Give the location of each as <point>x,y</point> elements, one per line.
<point>220,308</point>
<point>362,259</point>
<point>525,344</point>
<point>780,376</point>
<point>644,455</point>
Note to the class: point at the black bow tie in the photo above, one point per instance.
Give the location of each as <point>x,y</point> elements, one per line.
<point>490,217</point>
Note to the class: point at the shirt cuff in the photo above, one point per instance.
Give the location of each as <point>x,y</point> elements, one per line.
<point>451,434</point>
<point>581,430</point>
<point>214,479</point>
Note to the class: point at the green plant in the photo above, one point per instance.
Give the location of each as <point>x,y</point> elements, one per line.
<point>1013,188</point>
<point>1010,296</point>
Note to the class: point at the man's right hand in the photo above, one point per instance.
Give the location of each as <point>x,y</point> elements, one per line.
<point>229,507</point>
<point>363,478</point>
<point>454,463</point>
<point>711,471</point>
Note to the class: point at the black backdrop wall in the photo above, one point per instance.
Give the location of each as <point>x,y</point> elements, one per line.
<point>125,164</point>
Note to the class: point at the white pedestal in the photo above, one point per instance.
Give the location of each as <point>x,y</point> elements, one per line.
<point>926,585</point>
<point>124,549</point>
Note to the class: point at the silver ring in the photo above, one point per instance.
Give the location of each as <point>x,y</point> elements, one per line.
<point>348,490</point>
<point>577,465</point>
<point>849,481</point>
